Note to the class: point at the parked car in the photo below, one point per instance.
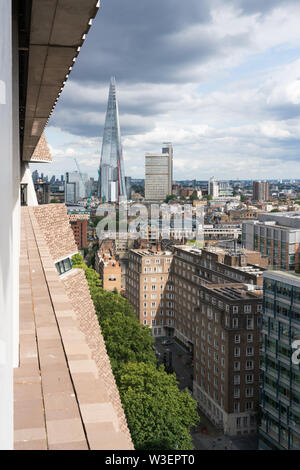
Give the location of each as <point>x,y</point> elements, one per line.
<point>166,342</point>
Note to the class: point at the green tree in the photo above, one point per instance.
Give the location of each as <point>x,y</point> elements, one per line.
<point>91,275</point>
<point>127,341</point>
<point>159,416</point>
<point>194,197</point>
<point>170,197</point>
<point>78,261</point>
<point>108,303</point>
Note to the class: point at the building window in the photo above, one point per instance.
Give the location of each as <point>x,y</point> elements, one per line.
<point>63,266</point>
<point>236,407</point>
<point>237,339</point>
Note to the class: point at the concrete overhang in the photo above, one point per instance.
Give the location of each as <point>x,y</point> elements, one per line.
<point>57,31</point>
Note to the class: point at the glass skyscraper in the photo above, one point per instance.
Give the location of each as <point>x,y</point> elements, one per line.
<point>111,183</point>
<point>280,393</point>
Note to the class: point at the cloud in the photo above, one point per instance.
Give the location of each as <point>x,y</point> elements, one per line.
<point>220,79</point>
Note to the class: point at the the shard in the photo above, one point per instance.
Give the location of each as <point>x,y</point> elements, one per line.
<point>111,183</point>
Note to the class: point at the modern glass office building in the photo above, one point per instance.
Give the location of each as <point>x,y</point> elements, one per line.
<point>280,392</point>
<point>276,235</point>
<point>111,183</point>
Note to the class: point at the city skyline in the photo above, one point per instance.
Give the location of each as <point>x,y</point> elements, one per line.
<point>156,317</point>
<point>232,102</point>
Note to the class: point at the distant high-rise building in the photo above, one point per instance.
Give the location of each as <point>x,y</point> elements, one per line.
<point>35,176</point>
<point>213,188</point>
<point>261,191</point>
<point>159,174</point>
<point>74,186</point>
<point>111,184</point>
<point>128,186</point>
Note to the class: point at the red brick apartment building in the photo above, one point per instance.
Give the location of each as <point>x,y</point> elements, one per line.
<point>79,227</point>
<point>210,300</point>
<point>108,266</point>
<point>149,289</point>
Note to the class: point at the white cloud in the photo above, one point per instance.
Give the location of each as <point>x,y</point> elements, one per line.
<point>242,127</point>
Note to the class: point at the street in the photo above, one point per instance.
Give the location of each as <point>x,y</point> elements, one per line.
<point>205,436</point>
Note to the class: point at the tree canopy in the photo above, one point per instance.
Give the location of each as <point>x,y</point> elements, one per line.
<point>170,197</point>
<point>158,414</point>
<point>126,340</point>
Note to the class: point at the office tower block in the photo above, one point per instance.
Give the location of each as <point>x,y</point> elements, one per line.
<point>261,191</point>
<point>276,235</point>
<point>75,186</point>
<point>128,186</point>
<point>213,188</point>
<point>111,183</point>
<point>35,176</point>
<point>168,149</point>
<point>280,394</point>
<point>159,174</point>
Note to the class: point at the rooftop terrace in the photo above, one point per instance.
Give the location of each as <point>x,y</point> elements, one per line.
<point>65,396</point>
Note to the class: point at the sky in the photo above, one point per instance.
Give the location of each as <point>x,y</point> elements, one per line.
<point>220,79</point>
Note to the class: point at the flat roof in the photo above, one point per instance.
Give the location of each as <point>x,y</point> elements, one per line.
<point>148,252</point>
<point>236,291</point>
